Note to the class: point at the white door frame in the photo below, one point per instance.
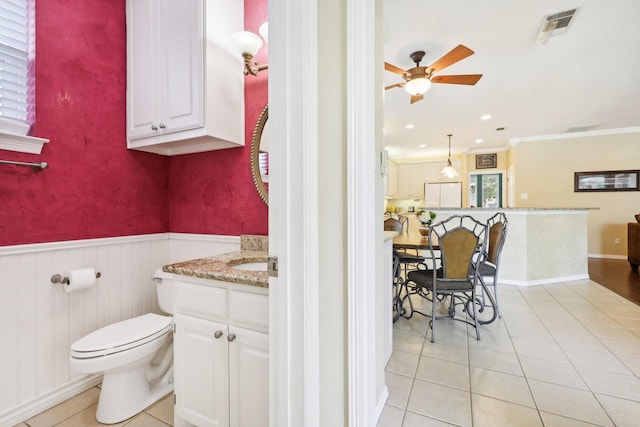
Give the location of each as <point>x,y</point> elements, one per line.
<point>364,207</point>
<point>294,208</point>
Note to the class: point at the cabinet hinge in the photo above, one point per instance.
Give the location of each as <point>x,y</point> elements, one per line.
<point>273,266</point>
<point>174,328</point>
<point>174,398</point>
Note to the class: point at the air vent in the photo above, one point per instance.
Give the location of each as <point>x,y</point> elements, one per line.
<point>555,24</point>
<point>561,20</point>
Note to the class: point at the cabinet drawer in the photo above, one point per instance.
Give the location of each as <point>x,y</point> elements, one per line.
<point>249,310</point>
<point>204,301</point>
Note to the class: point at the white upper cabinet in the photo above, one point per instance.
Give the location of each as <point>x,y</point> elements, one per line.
<point>185,87</point>
<point>392,180</point>
<point>410,181</point>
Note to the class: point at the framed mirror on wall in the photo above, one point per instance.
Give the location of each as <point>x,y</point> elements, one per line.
<point>260,156</point>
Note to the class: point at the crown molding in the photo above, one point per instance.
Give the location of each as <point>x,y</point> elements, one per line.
<point>515,141</point>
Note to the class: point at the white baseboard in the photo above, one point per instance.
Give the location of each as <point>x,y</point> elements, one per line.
<point>544,281</point>
<point>48,400</point>
<point>381,402</point>
<point>624,257</point>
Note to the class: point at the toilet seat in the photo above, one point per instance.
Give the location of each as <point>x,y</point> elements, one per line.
<point>122,336</point>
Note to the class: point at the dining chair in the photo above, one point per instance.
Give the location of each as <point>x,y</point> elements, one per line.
<point>406,260</point>
<point>497,227</point>
<point>405,222</point>
<point>392,224</point>
<point>458,244</point>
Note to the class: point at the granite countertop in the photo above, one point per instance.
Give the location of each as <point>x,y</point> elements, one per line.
<point>219,267</point>
<point>507,209</point>
<point>388,235</point>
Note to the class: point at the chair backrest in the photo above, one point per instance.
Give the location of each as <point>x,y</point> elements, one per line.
<point>392,224</point>
<point>404,221</point>
<point>458,238</point>
<point>498,225</point>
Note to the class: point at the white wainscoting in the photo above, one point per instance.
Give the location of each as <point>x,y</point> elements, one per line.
<point>39,320</point>
<point>184,247</point>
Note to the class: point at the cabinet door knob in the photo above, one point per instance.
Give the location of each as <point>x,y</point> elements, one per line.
<point>217,334</point>
<point>231,337</point>
<point>162,126</point>
<point>154,127</point>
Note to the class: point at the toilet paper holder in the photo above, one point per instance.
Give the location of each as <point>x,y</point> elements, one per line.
<point>59,278</point>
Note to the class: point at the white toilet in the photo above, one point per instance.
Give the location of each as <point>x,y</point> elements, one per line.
<point>135,355</point>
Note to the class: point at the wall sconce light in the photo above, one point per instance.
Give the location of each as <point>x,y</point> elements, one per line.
<point>248,45</point>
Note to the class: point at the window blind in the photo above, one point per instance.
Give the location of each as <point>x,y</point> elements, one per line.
<point>14,60</point>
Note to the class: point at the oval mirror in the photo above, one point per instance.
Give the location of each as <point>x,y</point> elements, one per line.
<point>260,156</point>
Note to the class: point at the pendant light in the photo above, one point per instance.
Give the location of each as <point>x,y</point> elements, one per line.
<point>448,171</point>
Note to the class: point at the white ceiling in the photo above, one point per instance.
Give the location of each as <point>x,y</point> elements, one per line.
<point>587,76</point>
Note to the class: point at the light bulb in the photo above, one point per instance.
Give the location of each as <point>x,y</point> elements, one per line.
<point>246,42</point>
<point>264,31</point>
<point>417,86</point>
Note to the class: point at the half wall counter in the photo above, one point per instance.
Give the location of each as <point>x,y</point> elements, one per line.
<point>543,245</point>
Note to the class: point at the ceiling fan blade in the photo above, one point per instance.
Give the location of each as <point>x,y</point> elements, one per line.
<point>456,54</point>
<point>416,98</point>
<point>462,79</point>
<point>395,85</point>
<point>394,69</point>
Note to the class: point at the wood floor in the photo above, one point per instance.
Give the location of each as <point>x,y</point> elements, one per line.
<point>616,275</point>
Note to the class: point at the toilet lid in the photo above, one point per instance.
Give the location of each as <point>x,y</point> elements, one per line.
<point>121,336</point>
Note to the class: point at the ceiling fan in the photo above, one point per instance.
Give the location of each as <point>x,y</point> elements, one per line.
<point>417,80</point>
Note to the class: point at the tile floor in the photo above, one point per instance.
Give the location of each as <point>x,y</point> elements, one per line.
<point>562,355</point>
<point>80,411</point>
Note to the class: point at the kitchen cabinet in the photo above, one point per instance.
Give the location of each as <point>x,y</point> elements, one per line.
<point>392,180</point>
<point>410,181</point>
<point>221,354</point>
<point>185,87</point>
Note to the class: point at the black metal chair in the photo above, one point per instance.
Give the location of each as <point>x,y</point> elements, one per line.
<point>406,260</point>
<point>459,244</point>
<point>405,222</point>
<point>497,228</point>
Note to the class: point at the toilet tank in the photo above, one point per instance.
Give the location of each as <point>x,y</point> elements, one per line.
<point>165,290</point>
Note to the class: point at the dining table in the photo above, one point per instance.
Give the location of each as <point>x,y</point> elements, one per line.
<point>417,242</point>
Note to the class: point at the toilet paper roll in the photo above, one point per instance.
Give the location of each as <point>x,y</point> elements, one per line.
<point>80,279</point>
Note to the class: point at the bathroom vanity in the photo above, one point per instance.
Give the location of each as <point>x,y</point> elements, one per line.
<point>221,342</point>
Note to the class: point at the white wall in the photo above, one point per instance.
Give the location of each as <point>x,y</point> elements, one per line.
<point>39,320</point>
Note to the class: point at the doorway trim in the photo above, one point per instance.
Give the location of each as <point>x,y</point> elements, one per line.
<point>503,183</point>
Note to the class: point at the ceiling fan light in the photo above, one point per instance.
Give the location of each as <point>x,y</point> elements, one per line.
<point>417,86</point>
<point>246,42</point>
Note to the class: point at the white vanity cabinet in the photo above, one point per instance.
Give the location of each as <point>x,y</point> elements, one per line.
<point>221,354</point>
<point>185,87</point>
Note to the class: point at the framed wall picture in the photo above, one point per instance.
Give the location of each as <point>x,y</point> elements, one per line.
<point>626,180</point>
<point>486,161</point>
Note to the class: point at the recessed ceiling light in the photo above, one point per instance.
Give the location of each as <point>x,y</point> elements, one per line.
<point>409,126</point>
<point>485,117</point>
<point>479,141</point>
<point>422,145</point>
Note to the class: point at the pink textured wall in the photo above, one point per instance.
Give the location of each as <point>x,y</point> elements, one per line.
<point>213,193</point>
<point>94,186</point>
